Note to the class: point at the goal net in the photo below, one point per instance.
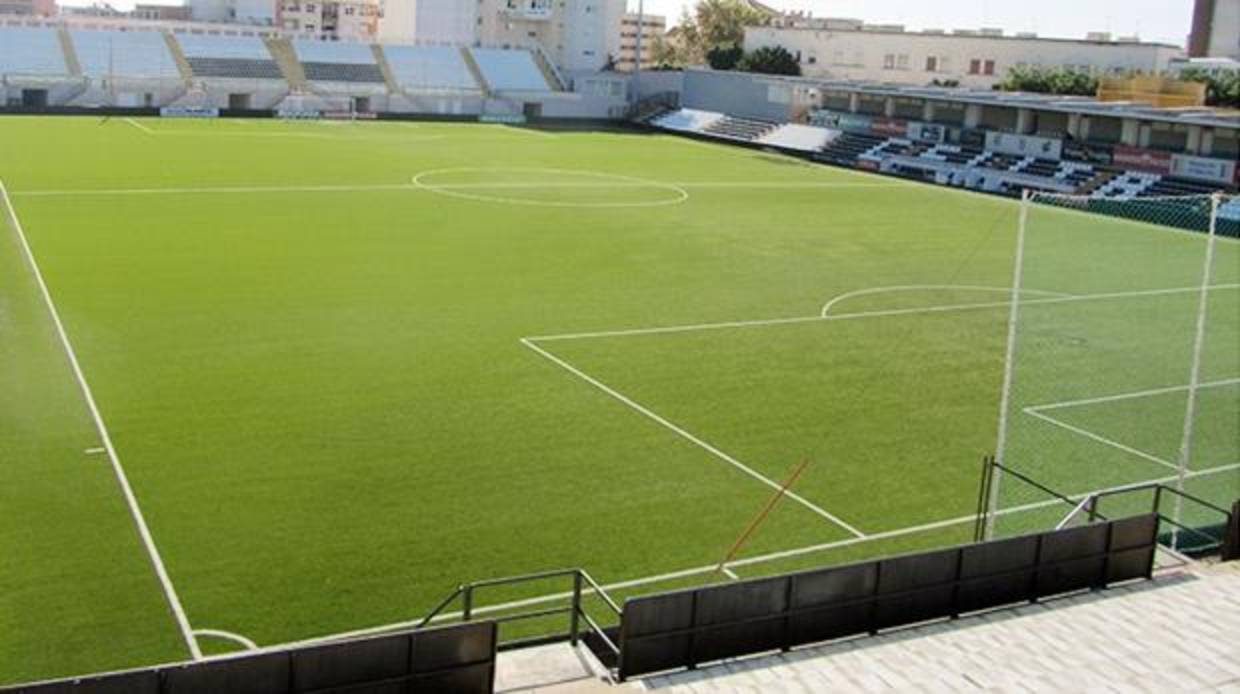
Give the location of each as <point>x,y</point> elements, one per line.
<point>1123,363</point>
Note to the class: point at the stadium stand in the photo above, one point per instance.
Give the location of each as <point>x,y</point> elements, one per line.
<point>131,54</point>
<point>802,138</point>
<point>510,70</point>
<point>28,51</point>
<point>429,68</point>
<point>338,62</point>
<point>685,120</point>
<point>229,57</point>
<point>743,129</point>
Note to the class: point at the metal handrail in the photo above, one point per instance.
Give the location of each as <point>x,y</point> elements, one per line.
<point>583,583</point>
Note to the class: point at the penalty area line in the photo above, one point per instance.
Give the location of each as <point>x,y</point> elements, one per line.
<point>140,126</point>
<point>170,593</point>
<point>652,415</point>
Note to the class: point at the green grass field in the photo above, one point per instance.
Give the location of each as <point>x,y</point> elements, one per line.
<point>346,367</point>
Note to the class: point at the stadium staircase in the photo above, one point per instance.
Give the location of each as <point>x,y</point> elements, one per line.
<point>475,71</point>
<point>389,78</point>
<point>72,63</point>
<point>286,58</point>
<point>548,70</point>
<point>743,129</point>
<point>178,56</point>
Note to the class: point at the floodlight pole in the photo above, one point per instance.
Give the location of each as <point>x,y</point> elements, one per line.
<point>1194,375</point>
<point>1009,366</point>
<point>637,52</point>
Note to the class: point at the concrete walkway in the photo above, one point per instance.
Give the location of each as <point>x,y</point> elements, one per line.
<point>1177,633</point>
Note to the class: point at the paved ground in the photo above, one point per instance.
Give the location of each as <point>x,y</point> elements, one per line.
<point>1177,633</point>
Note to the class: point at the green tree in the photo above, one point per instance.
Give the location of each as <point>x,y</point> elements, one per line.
<point>1222,88</point>
<point>1049,81</point>
<point>715,23</point>
<point>724,57</point>
<point>770,60</point>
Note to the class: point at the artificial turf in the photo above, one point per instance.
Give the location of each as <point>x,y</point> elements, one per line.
<point>313,370</point>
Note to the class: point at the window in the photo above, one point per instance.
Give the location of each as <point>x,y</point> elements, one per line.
<point>975,67</point>
<point>889,61</point>
<point>932,64</point>
<point>988,68</point>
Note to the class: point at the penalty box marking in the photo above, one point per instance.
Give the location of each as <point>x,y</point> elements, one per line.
<point>1054,297</point>
<point>1039,412</point>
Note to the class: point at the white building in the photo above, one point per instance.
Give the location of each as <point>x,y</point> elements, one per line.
<point>260,12</point>
<point>652,28</point>
<point>1216,29</point>
<point>331,19</point>
<point>847,49</point>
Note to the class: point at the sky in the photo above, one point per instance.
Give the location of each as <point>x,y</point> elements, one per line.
<point>1164,21</point>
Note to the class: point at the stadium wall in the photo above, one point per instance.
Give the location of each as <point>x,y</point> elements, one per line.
<point>737,94</point>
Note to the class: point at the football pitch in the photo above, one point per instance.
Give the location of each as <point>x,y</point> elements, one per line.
<point>263,382</point>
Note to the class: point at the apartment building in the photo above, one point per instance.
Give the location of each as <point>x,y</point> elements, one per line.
<point>331,19</point>
<point>1216,29</point>
<point>652,27</point>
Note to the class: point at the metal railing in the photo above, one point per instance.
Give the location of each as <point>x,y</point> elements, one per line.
<point>582,585</point>
<point>1088,506</point>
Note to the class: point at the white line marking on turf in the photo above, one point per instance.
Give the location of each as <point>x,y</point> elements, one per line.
<point>140,126</point>
<point>826,309</point>
<point>867,314</point>
<point>174,602</point>
<point>1101,439</point>
<point>196,190</point>
<point>650,414</point>
<point>751,561</point>
<point>221,190</point>
<point>228,636</point>
<point>95,451</point>
<point>730,574</point>
<point>680,195</point>
<point>1131,396</point>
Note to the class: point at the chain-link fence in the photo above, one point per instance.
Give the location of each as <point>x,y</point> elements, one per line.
<point>1123,363</point>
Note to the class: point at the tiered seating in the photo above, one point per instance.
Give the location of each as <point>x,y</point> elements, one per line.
<point>124,53</point>
<point>1174,185</point>
<point>1230,210</point>
<point>337,62</point>
<point>1075,172</point>
<point>1039,167</point>
<point>801,138</point>
<point>1129,184</point>
<point>686,120</point>
<point>744,129</point>
<point>848,148</point>
<point>240,57</point>
<point>513,71</point>
<point>429,67</point>
<point>31,52</point>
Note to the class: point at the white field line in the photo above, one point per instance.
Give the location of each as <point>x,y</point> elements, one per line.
<point>650,414</point>
<point>140,126</point>
<point>220,190</point>
<point>95,451</point>
<point>1131,396</point>
<point>174,602</point>
<point>228,636</point>
<point>223,190</point>
<point>751,561</point>
<point>730,574</point>
<point>826,309</point>
<point>1101,439</point>
<point>867,314</point>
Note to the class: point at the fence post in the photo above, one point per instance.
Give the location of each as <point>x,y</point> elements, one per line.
<point>467,599</point>
<point>1231,541</point>
<point>1093,509</point>
<point>574,619</point>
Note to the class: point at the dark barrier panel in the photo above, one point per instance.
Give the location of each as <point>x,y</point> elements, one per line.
<point>455,659</point>
<point>685,628</point>
<point>1231,545</point>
